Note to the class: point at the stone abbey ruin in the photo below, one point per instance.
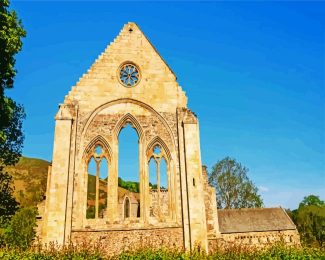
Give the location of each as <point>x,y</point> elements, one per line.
<point>130,84</point>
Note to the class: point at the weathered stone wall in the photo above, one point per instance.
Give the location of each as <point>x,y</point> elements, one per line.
<point>255,239</point>
<point>157,207</point>
<point>107,123</point>
<point>93,113</point>
<point>157,85</point>
<point>117,241</point>
<point>189,139</point>
<point>210,203</point>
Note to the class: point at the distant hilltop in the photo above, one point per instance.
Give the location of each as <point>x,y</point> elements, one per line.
<point>29,180</point>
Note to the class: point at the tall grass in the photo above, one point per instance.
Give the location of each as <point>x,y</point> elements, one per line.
<point>86,251</point>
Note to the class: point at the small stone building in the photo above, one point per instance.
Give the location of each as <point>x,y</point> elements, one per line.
<point>130,84</point>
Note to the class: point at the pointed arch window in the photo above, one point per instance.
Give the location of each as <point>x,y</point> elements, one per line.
<point>158,183</point>
<point>97,183</point>
<point>128,172</point>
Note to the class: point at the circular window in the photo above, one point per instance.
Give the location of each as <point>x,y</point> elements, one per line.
<point>129,75</point>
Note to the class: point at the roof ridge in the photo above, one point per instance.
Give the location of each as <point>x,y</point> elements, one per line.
<point>243,209</point>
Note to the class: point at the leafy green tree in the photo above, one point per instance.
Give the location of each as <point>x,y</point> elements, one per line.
<point>8,204</point>
<point>311,200</point>
<point>310,220</point>
<point>311,224</point>
<point>11,32</point>
<point>233,187</point>
<point>21,230</point>
<point>12,142</point>
<point>11,114</point>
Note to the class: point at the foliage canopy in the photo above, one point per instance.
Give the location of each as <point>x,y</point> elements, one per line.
<point>8,204</point>
<point>311,200</point>
<point>310,220</point>
<point>11,32</point>
<point>233,187</point>
<point>11,114</point>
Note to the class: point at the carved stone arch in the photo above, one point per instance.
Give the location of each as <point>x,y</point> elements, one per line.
<point>101,141</point>
<point>157,140</point>
<point>171,179</point>
<point>127,100</point>
<point>128,118</point>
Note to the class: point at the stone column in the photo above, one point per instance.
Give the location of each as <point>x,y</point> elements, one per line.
<point>194,181</point>
<point>183,182</point>
<point>56,206</point>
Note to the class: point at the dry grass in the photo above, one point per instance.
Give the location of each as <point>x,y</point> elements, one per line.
<point>97,251</point>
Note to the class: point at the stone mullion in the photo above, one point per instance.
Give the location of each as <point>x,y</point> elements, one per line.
<point>146,191</point>
<point>169,189</point>
<point>97,188</point>
<point>114,184</point>
<point>175,201</point>
<point>142,181</point>
<point>109,162</point>
<point>158,183</point>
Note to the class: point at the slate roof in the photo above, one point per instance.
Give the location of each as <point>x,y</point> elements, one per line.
<point>254,220</point>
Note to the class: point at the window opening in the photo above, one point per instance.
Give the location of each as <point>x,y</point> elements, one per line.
<point>91,189</point>
<point>158,184</point>
<point>128,171</point>
<point>97,185</point>
<point>126,208</point>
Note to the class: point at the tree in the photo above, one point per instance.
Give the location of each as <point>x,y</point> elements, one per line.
<point>12,139</point>
<point>8,204</point>
<point>11,32</point>
<point>11,114</point>
<point>310,220</point>
<point>233,187</point>
<point>311,224</point>
<point>21,230</point>
<point>311,200</point>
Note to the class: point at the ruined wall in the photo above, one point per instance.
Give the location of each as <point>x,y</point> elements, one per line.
<point>161,206</point>
<point>117,241</point>
<point>94,112</point>
<point>107,123</point>
<point>210,203</point>
<point>192,180</point>
<point>255,239</point>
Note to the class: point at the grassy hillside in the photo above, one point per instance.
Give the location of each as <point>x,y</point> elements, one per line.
<point>30,176</point>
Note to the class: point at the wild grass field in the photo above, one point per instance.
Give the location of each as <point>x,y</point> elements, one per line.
<point>97,252</point>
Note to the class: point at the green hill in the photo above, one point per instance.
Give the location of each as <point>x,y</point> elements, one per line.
<point>30,177</point>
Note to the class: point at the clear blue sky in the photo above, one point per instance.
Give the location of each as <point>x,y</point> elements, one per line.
<point>253,72</point>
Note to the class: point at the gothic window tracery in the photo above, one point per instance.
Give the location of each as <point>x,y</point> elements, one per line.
<point>129,75</point>
<point>158,184</point>
<point>97,183</point>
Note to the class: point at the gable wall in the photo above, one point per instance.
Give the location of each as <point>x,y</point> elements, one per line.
<point>98,107</point>
<point>157,86</point>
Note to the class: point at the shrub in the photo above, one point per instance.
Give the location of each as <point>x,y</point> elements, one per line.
<point>20,231</point>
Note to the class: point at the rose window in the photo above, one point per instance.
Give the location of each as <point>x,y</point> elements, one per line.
<point>129,75</point>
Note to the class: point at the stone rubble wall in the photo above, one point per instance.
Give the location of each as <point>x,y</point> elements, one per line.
<point>104,124</point>
<point>254,239</point>
<point>118,241</point>
<point>210,206</point>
